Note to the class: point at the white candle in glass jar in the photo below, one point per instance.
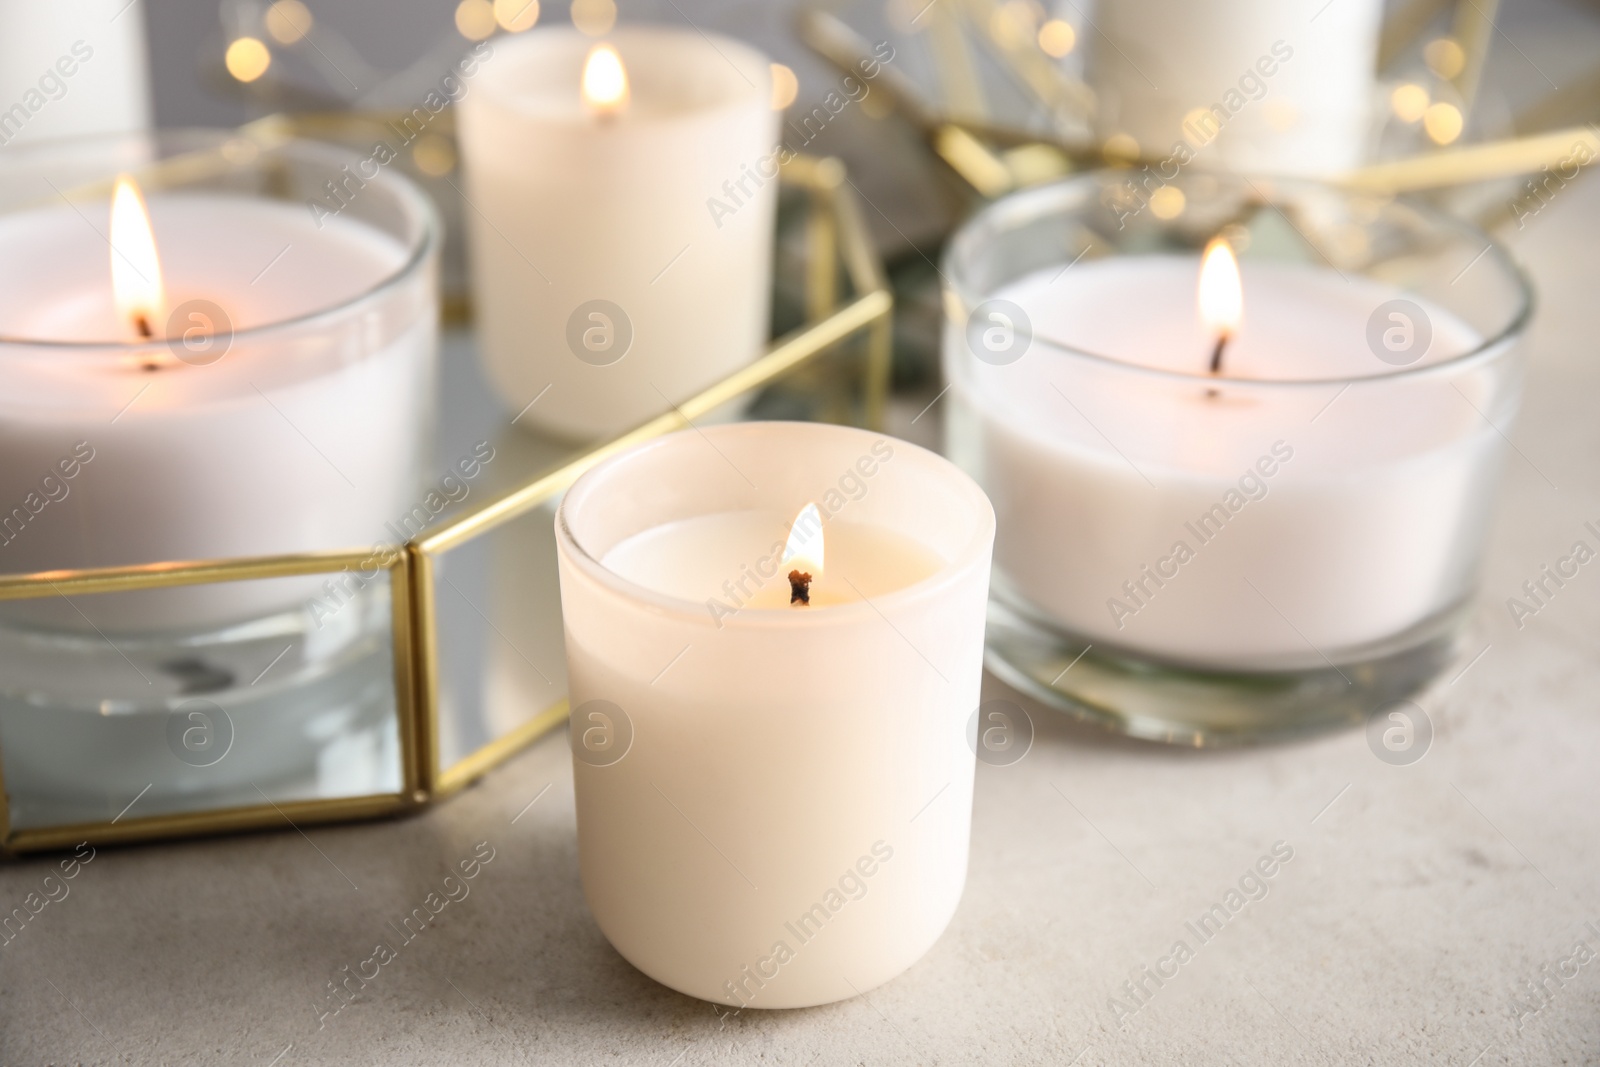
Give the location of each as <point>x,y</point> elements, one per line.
<point>621,234</point>
<point>774,799</point>
<point>306,434</point>
<point>1313,520</point>
<point>1261,86</point>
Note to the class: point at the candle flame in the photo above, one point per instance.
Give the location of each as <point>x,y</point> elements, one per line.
<point>605,81</point>
<point>1221,296</point>
<point>135,266</point>
<point>804,550</point>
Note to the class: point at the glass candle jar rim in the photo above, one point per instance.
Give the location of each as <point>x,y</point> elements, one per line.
<point>418,209</point>
<point>948,574</point>
<point>1488,350</point>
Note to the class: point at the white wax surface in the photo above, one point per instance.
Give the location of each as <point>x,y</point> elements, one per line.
<point>297,439</point>
<point>1370,527</point>
<point>709,556</point>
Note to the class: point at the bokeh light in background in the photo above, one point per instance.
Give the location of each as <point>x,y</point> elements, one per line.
<point>1167,202</point>
<point>247,59</point>
<point>1443,122</point>
<point>1445,57</point>
<point>785,87</point>
<point>1057,38</point>
<point>514,16</point>
<point>288,21</point>
<point>1408,102</point>
<point>475,19</point>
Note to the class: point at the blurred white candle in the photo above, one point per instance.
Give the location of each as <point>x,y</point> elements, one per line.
<point>774,799</point>
<point>70,69</point>
<point>601,267</point>
<point>1265,86</point>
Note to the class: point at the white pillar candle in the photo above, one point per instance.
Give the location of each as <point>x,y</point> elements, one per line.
<point>1262,86</point>
<point>307,433</point>
<point>71,69</point>
<point>774,799</point>
<point>1257,521</point>
<point>621,248</point>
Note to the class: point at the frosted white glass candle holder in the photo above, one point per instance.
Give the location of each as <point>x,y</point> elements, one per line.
<point>1279,547</point>
<point>774,803</point>
<point>285,405</point>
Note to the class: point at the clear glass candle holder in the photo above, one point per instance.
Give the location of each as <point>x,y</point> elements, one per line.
<point>281,403</point>
<point>1210,532</point>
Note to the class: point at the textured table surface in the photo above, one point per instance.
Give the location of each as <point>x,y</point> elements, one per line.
<point>1421,906</point>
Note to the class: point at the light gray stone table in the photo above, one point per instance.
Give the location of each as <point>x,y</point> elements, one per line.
<point>1419,905</point>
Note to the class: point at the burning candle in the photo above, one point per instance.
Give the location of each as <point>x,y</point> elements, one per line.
<point>1081,529</point>
<point>605,82</point>
<point>231,379</point>
<point>1270,467</point>
<point>622,197</point>
<point>136,287</point>
<point>1221,297</point>
<point>204,371</point>
<point>774,788</point>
